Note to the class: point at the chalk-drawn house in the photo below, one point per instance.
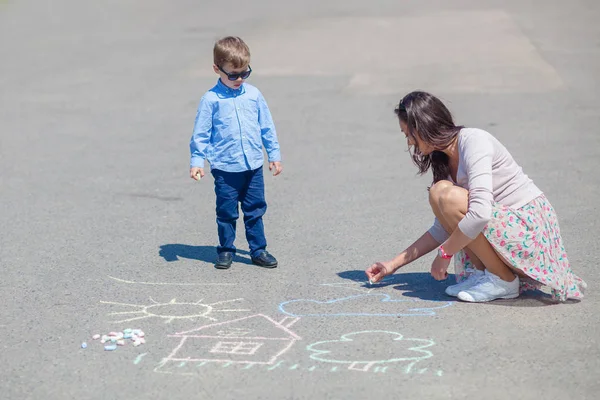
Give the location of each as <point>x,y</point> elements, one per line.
<point>256,339</point>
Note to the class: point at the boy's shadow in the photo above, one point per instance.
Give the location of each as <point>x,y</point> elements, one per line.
<point>421,285</point>
<point>208,254</point>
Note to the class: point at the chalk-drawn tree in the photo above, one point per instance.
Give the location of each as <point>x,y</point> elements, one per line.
<point>359,352</point>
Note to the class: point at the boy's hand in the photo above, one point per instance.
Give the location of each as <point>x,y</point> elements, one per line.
<point>196,173</point>
<point>277,166</point>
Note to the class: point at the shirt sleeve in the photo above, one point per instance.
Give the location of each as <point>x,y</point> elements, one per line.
<point>267,130</point>
<point>201,135</point>
<point>477,154</point>
<point>438,232</point>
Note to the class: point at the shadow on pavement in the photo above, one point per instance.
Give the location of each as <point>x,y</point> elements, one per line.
<point>421,285</point>
<point>208,254</point>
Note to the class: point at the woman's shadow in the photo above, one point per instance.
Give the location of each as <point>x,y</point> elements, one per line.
<point>208,254</point>
<point>421,285</point>
<point>412,284</point>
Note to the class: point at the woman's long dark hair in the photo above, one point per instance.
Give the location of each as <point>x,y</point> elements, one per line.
<point>428,119</point>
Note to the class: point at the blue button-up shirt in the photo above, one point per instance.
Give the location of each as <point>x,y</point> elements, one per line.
<point>231,128</point>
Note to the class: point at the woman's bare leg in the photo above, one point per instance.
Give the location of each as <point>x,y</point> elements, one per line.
<point>452,205</point>
<point>434,200</point>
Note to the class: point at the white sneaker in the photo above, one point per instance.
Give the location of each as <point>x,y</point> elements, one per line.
<point>490,287</point>
<point>471,280</point>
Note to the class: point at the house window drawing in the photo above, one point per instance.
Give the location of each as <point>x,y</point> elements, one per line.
<point>256,339</point>
<point>236,347</point>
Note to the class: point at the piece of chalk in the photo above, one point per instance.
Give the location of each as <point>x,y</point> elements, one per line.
<point>127,336</point>
<point>142,340</point>
<point>113,333</point>
<point>110,347</point>
<point>136,343</point>
<point>96,336</point>
<point>83,345</point>
<point>141,334</point>
<point>127,331</point>
<point>370,283</point>
<point>121,342</point>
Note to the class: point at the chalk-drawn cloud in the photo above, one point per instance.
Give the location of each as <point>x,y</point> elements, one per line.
<point>361,350</point>
<point>375,305</point>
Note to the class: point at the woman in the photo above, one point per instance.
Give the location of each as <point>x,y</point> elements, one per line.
<point>489,216</point>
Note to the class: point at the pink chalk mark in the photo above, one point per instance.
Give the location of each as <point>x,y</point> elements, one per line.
<point>277,324</point>
<point>237,348</point>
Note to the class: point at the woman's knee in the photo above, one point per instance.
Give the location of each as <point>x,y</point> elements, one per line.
<point>452,199</point>
<point>436,191</point>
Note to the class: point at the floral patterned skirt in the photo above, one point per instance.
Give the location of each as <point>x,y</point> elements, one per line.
<point>529,238</point>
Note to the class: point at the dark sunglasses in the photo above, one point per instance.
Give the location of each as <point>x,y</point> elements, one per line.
<point>237,75</point>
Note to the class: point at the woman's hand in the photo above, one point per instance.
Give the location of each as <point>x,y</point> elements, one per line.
<point>379,270</point>
<point>439,268</point>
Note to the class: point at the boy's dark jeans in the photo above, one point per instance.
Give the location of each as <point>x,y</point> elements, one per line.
<point>247,188</point>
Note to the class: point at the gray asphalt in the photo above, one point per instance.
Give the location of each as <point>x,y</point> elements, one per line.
<point>103,230</point>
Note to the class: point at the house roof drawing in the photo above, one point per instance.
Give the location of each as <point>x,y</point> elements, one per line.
<point>255,327</point>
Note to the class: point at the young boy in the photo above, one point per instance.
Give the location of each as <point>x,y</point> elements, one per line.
<point>233,123</point>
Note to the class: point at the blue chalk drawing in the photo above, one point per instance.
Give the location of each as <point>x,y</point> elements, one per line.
<point>358,306</point>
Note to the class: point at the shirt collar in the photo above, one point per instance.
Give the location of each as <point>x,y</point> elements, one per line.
<point>227,90</point>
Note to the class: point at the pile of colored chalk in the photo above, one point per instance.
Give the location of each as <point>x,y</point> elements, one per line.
<point>114,339</point>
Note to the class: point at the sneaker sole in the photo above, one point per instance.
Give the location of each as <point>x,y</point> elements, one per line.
<point>461,290</point>
<point>265,266</point>
<point>472,300</point>
<point>222,266</point>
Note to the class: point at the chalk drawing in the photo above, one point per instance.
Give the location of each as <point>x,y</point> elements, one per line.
<point>256,339</point>
<point>267,341</point>
<point>347,349</point>
<point>275,366</point>
<point>248,348</point>
<point>139,358</point>
<point>170,283</point>
<point>189,368</point>
<point>373,305</point>
<point>172,310</point>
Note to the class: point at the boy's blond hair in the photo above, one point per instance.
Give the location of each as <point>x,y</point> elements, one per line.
<point>233,50</point>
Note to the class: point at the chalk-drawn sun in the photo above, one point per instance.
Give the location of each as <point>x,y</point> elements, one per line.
<point>172,310</point>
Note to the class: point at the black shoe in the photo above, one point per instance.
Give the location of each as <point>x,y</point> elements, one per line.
<point>224,260</point>
<point>264,259</point>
